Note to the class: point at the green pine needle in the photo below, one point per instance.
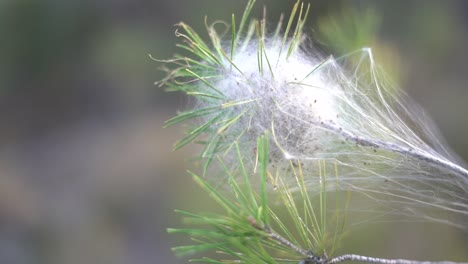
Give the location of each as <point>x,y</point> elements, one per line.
<point>269,224</point>
<point>245,231</point>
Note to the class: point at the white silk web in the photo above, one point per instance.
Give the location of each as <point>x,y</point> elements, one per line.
<point>346,112</point>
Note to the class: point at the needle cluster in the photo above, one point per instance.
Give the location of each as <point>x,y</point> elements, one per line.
<point>322,114</point>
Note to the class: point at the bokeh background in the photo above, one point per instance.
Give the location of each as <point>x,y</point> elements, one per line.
<point>87,174</point>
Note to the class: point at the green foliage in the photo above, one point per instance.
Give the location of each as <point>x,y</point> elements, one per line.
<point>270,222</point>
<point>205,63</point>
<point>263,226</point>
<point>288,204</point>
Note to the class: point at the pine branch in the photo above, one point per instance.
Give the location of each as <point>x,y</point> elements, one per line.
<point>353,257</point>
<point>281,240</point>
<point>311,258</point>
<point>327,123</point>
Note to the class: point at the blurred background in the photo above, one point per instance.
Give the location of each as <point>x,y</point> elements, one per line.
<point>88,175</point>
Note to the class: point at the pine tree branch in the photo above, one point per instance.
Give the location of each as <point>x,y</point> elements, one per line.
<point>235,98</point>
<point>376,143</point>
<point>281,240</point>
<point>353,257</point>
<point>311,258</point>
